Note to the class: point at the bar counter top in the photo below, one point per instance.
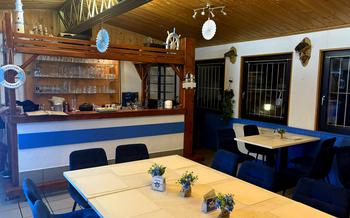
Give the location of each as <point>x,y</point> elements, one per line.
<point>87,115</point>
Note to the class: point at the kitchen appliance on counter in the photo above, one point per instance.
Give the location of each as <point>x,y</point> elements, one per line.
<point>86,107</point>
<point>57,103</point>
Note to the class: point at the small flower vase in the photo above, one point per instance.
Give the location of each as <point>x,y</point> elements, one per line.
<point>186,191</point>
<point>158,183</point>
<point>282,135</point>
<point>224,214</point>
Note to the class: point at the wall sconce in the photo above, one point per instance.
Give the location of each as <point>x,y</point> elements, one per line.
<point>189,82</point>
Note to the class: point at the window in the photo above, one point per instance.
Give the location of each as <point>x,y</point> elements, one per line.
<point>162,83</point>
<point>210,83</point>
<point>335,93</point>
<point>265,91</point>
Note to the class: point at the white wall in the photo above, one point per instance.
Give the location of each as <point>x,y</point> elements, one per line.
<point>130,79</point>
<point>304,80</point>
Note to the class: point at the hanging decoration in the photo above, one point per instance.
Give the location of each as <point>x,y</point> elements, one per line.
<point>303,49</point>
<point>102,40</point>
<point>19,17</point>
<point>173,40</point>
<point>20,77</point>
<point>189,82</point>
<point>209,26</point>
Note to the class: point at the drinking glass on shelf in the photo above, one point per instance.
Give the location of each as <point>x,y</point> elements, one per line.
<point>74,104</point>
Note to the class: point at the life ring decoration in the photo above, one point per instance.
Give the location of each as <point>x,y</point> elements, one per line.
<point>21,76</point>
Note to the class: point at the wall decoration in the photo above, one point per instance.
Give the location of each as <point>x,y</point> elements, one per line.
<point>209,26</point>
<point>173,40</point>
<point>189,82</point>
<point>303,49</point>
<point>209,29</point>
<point>19,17</point>
<point>232,54</point>
<point>102,40</point>
<point>20,77</point>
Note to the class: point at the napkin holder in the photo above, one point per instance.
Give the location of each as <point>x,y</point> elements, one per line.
<point>208,203</point>
<point>158,183</point>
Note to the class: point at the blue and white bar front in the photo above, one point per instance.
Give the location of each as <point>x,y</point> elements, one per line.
<point>47,145</point>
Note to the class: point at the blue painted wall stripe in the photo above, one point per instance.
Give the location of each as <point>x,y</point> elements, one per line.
<point>45,139</point>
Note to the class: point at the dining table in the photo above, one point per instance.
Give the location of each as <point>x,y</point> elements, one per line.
<point>124,190</point>
<point>274,141</point>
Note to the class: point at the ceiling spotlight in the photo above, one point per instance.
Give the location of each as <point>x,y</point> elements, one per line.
<point>203,12</point>
<point>212,14</point>
<point>194,14</point>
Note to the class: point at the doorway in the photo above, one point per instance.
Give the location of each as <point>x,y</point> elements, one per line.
<point>210,75</point>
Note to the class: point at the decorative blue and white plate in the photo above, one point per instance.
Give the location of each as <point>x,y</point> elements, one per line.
<point>102,40</point>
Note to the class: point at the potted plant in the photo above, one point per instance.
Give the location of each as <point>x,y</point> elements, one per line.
<point>227,103</point>
<point>158,181</point>
<point>186,181</point>
<point>280,131</point>
<point>225,203</point>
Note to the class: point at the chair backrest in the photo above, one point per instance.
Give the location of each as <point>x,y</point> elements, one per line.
<point>343,165</point>
<point>250,130</point>
<point>87,158</point>
<point>322,196</point>
<point>40,210</point>
<point>226,140</point>
<point>257,174</point>
<point>131,152</point>
<point>30,192</point>
<point>327,143</point>
<point>225,162</point>
<point>322,163</point>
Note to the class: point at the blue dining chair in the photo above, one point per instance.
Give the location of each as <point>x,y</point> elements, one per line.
<point>306,161</point>
<point>259,175</point>
<point>319,170</point>
<point>82,159</point>
<point>40,210</point>
<point>131,152</point>
<point>343,164</point>
<point>226,141</point>
<point>322,196</point>
<point>226,162</point>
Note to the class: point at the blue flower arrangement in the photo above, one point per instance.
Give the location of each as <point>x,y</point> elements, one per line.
<point>157,170</point>
<point>187,179</point>
<point>225,202</point>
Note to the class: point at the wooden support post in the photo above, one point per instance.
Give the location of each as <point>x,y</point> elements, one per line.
<point>11,102</point>
<point>188,46</point>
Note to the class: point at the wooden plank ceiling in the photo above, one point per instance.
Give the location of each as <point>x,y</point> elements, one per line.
<point>246,19</point>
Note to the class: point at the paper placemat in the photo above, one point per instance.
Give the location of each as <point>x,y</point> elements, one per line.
<point>91,186</point>
<point>174,162</point>
<point>205,175</point>
<point>123,204</point>
<point>244,192</point>
<point>130,169</point>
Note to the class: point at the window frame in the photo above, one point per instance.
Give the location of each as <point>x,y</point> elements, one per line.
<point>243,85</point>
<point>324,91</point>
<point>218,61</point>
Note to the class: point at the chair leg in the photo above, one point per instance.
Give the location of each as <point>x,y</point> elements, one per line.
<point>284,192</point>
<point>74,206</point>
<point>257,157</point>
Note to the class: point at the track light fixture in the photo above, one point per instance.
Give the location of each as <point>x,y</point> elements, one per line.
<point>208,9</point>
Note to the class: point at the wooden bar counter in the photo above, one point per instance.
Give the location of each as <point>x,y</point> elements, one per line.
<point>45,142</point>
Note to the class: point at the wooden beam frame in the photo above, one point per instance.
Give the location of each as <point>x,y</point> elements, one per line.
<point>81,15</point>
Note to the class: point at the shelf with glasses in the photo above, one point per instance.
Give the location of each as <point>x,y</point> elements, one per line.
<point>73,93</point>
<point>66,77</point>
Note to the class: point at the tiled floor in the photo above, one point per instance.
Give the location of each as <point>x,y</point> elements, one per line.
<point>59,202</point>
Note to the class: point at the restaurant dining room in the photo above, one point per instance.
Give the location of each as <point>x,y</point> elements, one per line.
<point>174,108</point>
